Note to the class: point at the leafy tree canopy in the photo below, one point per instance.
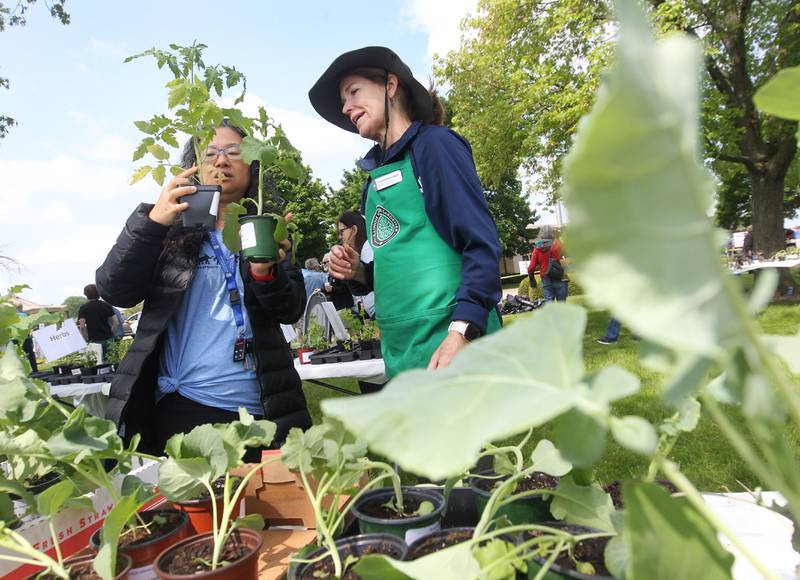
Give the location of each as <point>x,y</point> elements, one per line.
<point>73,304</point>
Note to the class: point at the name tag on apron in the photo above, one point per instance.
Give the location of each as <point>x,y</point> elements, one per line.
<point>388,180</point>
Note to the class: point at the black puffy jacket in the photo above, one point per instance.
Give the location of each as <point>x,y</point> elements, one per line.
<point>157,263</point>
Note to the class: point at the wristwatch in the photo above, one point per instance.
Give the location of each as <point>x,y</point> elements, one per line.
<point>466,329</point>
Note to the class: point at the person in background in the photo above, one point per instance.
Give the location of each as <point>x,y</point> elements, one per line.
<point>121,322</point>
<point>27,347</point>
<point>209,340</point>
<point>554,286</point>
<point>747,245</point>
<point>352,231</point>
<point>611,334</point>
<point>313,276</point>
<point>97,320</point>
<point>436,266</point>
<point>336,290</point>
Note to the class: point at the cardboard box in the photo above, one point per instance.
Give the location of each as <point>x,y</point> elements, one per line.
<point>73,527</point>
<point>279,545</point>
<point>279,495</point>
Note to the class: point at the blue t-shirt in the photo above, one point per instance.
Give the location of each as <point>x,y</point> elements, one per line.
<point>313,281</point>
<point>197,359</point>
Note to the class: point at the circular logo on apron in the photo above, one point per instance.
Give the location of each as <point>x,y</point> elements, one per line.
<point>384,227</point>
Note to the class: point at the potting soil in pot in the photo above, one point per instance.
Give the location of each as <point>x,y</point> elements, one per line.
<point>196,558</point>
<point>325,569</point>
<point>614,489</point>
<point>536,480</point>
<point>85,571</point>
<point>589,551</point>
<point>158,527</point>
<point>438,541</point>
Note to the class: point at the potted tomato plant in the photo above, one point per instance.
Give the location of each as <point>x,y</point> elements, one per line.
<point>192,112</point>
<point>258,233</point>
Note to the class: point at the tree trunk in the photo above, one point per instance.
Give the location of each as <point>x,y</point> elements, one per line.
<point>767,199</point>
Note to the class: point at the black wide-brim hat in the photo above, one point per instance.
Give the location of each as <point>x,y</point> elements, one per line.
<point>325,98</point>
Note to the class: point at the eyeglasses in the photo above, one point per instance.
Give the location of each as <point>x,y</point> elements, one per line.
<point>341,230</point>
<point>232,152</point>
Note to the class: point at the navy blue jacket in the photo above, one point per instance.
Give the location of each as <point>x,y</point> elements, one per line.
<point>455,204</point>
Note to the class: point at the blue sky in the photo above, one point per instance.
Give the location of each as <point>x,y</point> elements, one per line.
<point>67,164</point>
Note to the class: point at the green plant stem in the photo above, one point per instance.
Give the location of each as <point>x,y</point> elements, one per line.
<point>775,374</point>
<point>260,189</point>
<point>694,497</point>
<point>36,558</point>
<point>742,446</point>
<point>549,562</point>
<point>494,501</point>
<point>397,485</point>
<point>327,536</point>
<point>56,544</point>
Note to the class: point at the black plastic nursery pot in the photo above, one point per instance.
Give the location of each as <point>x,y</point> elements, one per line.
<point>103,369</point>
<point>527,510</point>
<point>144,552</point>
<point>591,551</point>
<point>407,529</point>
<point>438,540</point>
<point>257,233</point>
<point>37,485</point>
<point>203,207</point>
<point>358,546</point>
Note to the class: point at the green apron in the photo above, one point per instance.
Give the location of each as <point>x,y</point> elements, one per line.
<point>417,274</point>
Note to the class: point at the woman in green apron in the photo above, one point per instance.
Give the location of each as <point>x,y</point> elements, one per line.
<point>435,270</point>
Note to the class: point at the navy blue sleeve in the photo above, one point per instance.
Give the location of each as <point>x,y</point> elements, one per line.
<point>457,208</point>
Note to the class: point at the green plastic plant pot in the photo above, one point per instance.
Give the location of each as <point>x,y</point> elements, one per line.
<point>407,529</point>
<point>528,510</point>
<point>257,233</point>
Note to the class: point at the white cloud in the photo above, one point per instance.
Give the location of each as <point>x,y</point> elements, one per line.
<point>87,246</point>
<point>440,21</point>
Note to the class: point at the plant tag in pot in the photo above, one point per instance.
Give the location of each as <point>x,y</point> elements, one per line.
<point>247,234</point>
<point>213,210</point>
<point>414,534</point>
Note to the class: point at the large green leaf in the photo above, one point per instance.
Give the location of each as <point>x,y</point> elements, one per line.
<point>230,231</point>
<point>182,479</point>
<point>453,563</point>
<point>587,505</point>
<point>487,393</point>
<point>547,459</point>
<point>668,539</point>
<point>247,432</point>
<point>638,198</point>
<point>105,562</point>
<point>780,96</point>
<point>49,502</point>
<point>17,403</point>
<point>86,437</point>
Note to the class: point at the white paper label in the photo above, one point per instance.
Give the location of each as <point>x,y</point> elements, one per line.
<point>143,573</point>
<point>305,357</point>
<point>388,180</point>
<point>75,372</point>
<point>105,371</point>
<point>247,233</point>
<point>335,321</point>
<point>58,342</point>
<point>214,209</point>
<point>416,533</point>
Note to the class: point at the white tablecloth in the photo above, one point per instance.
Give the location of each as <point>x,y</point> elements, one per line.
<point>766,533</point>
<point>371,371</point>
<point>767,264</point>
<point>93,396</point>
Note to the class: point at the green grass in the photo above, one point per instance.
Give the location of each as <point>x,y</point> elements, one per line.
<point>704,455</point>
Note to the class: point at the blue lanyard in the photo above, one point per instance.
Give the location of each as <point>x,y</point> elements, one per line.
<point>230,282</point>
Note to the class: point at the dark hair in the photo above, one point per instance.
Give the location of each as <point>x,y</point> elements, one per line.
<point>380,77</point>
<point>90,291</point>
<point>354,218</point>
<point>189,158</point>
